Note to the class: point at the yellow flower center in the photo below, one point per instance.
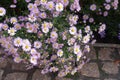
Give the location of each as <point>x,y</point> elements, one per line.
<point>50,6</point>
<point>1,11</point>
<point>26,46</point>
<point>43,1</point>
<point>18,41</point>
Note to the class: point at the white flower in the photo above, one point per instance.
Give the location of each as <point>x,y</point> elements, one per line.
<point>32,18</point>
<point>17,59</point>
<point>71,41</point>
<point>13,20</point>
<point>26,41</point>
<point>86,38</point>
<point>5,26</point>
<point>87,29</point>
<point>73,30</point>
<point>59,7</point>
<point>79,55</point>
<point>2,11</point>
<point>60,53</point>
<point>43,1</point>
<point>74,71</point>
<point>12,31</point>
<point>45,30</point>
<point>76,49</point>
<point>26,46</point>
<point>33,60</point>
<point>54,34</point>
<point>18,41</point>
<point>37,44</point>
<point>30,6</point>
<point>32,51</point>
<point>87,48</point>
<point>102,28</point>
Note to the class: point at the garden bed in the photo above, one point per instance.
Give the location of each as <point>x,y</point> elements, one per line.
<point>100,67</point>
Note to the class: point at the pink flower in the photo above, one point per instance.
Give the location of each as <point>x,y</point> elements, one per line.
<point>50,5</point>
<point>2,11</point>
<point>54,34</point>
<point>93,7</point>
<point>43,15</point>
<point>75,6</point>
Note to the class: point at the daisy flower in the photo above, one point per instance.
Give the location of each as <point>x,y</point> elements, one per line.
<point>36,55</point>
<point>86,38</point>
<point>59,7</point>
<point>60,53</point>
<point>76,49</point>
<point>79,55</point>
<point>43,15</point>
<point>93,7</point>
<point>50,5</point>
<point>17,42</point>
<point>102,28</point>
<point>53,69</point>
<point>43,2</point>
<point>71,41</point>
<point>32,18</point>
<point>30,6</point>
<point>5,27</point>
<point>37,44</point>
<point>73,30</point>
<point>17,59</point>
<point>26,46</point>
<point>55,45</point>
<point>45,30</point>
<point>13,20</point>
<point>33,50</point>
<point>54,34</point>
<point>12,6</point>
<point>12,31</point>
<point>17,26</point>
<point>2,11</point>
<point>65,2</point>
<point>33,60</point>
<point>87,29</point>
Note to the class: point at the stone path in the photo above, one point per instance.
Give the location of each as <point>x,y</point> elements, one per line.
<point>100,67</point>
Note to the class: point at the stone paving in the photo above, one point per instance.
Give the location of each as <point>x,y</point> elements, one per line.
<point>100,67</point>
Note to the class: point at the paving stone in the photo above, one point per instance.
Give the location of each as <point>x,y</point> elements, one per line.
<point>16,76</point>
<point>110,68</point>
<point>3,63</point>
<point>58,78</point>
<point>110,79</point>
<point>19,66</point>
<point>92,53</point>
<point>38,76</point>
<point>105,53</point>
<point>1,73</point>
<point>90,70</point>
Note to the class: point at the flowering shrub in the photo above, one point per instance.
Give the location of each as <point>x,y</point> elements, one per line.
<point>52,34</point>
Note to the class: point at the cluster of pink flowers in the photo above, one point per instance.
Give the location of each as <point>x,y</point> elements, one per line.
<point>38,39</point>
